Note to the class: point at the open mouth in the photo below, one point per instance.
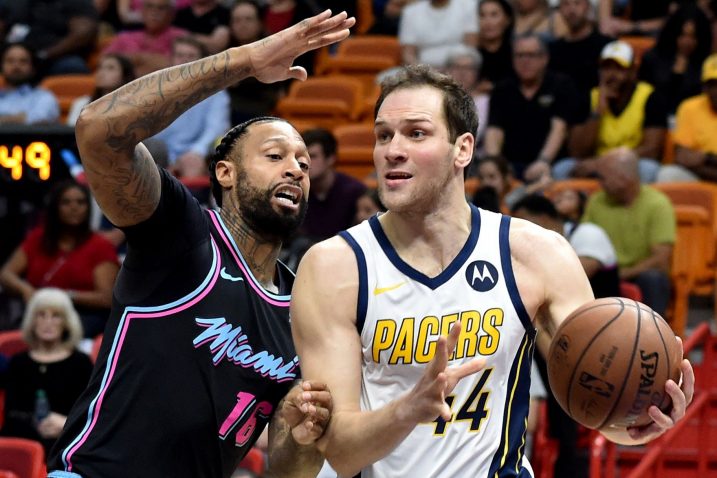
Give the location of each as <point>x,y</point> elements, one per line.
<point>397,175</point>
<point>289,195</point>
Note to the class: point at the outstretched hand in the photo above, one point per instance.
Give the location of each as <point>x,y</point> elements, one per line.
<point>681,397</point>
<point>272,58</point>
<point>427,400</point>
<point>307,410</point>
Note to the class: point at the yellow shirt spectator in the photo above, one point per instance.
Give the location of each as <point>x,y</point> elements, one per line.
<point>696,126</point>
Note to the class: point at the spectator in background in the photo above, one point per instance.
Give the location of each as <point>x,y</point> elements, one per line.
<point>695,134</point>
<point>495,172</point>
<point>21,102</point>
<point>62,33</point>
<point>63,252</point>
<point>208,21</point>
<point>640,222</point>
<point>333,195</point>
<point>570,204</point>
<point>673,66</point>
<point>281,14</point>
<point>590,241</point>
<point>529,117</point>
<point>536,16</point>
<point>430,29</point>
<point>112,72</point>
<point>624,112</point>
<point>52,368</point>
<point>464,66</point>
<point>368,205</point>
<point>190,137</point>
<point>495,36</point>
<point>387,15</point>
<point>149,49</point>
<point>250,97</point>
<point>130,12</point>
<point>632,17</point>
<point>578,51</point>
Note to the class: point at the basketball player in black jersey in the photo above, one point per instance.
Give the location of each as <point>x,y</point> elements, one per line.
<point>197,356</point>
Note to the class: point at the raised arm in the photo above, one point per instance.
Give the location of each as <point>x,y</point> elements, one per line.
<point>120,170</point>
<point>323,311</point>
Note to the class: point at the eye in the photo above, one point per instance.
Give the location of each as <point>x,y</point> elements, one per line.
<point>417,133</point>
<point>383,137</point>
<point>304,166</point>
<point>274,156</point>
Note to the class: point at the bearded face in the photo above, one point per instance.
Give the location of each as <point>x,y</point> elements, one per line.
<point>260,213</point>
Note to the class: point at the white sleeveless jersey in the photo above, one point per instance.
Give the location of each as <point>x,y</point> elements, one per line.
<point>401,313</point>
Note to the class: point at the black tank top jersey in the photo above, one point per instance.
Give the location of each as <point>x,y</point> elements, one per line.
<point>195,358</point>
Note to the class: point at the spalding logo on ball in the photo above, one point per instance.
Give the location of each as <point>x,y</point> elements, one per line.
<point>609,363</point>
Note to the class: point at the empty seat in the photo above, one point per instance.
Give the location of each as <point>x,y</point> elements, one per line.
<point>324,101</point>
<point>25,458</point>
<point>67,88</point>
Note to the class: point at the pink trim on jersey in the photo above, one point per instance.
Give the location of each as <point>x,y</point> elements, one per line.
<point>129,317</point>
<point>257,288</point>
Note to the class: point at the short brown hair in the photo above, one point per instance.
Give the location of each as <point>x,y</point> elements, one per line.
<point>458,106</point>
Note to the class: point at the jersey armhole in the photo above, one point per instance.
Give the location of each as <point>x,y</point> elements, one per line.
<point>362,300</point>
<point>506,264</point>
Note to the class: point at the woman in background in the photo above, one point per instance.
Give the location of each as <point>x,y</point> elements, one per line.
<point>64,252</point>
<point>44,382</point>
<point>113,71</point>
<point>250,97</point>
<point>496,20</point>
<point>674,65</point>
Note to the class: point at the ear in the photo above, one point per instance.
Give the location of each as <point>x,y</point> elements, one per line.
<point>465,148</point>
<point>226,173</point>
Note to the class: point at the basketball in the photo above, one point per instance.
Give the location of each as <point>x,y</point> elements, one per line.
<point>609,361</point>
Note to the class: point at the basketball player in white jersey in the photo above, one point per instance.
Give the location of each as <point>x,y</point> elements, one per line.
<point>372,308</point>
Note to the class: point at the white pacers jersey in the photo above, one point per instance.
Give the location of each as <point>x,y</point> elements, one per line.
<point>402,312</point>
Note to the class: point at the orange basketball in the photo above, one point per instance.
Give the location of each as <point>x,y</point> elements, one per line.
<point>609,361</point>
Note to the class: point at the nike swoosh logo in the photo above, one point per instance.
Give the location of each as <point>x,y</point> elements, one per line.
<point>226,276</point>
<point>381,290</point>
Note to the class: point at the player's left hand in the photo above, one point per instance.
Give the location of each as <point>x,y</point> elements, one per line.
<point>307,410</point>
<point>681,397</point>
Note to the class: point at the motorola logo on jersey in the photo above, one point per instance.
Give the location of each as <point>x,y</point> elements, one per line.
<point>481,275</point>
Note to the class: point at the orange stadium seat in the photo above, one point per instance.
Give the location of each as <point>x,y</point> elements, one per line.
<point>362,57</point>
<point>355,149</point>
<point>588,186</point>
<point>701,194</point>
<point>67,88</point>
<point>25,458</point>
<point>324,101</point>
<point>693,231</point>
<point>639,45</point>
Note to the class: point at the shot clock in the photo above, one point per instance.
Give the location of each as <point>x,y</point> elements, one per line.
<point>31,162</point>
<point>31,158</point>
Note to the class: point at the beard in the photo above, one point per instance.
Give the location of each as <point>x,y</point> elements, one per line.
<point>256,209</point>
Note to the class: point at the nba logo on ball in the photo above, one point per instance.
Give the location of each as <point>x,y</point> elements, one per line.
<point>482,275</point>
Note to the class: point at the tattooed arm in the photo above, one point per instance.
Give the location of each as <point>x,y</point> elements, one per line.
<point>300,420</point>
<point>120,170</point>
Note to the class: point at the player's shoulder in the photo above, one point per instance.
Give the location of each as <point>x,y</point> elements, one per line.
<point>330,255</point>
<point>530,243</point>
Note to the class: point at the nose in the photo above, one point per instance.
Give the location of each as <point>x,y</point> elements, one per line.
<point>294,170</point>
<point>395,150</point>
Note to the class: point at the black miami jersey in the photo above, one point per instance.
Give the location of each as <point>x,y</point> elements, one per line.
<point>195,358</point>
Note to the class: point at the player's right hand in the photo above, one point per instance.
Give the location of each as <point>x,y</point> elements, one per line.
<point>272,58</point>
<point>427,399</point>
